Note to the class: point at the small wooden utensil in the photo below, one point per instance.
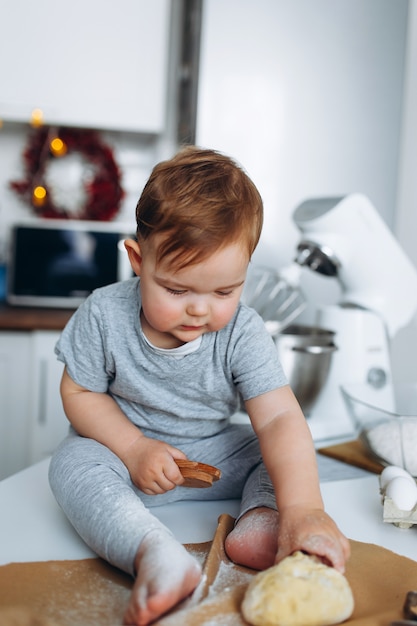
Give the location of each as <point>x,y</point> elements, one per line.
<point>197,475</point>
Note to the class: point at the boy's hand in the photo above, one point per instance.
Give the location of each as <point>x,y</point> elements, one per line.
<point>314,532</point>
<point>151,465</point>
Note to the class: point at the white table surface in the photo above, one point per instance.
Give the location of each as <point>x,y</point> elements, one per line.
<point>33,527</point>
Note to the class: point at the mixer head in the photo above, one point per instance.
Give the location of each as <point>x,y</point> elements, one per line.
<point>345,237</point>
<point>318,258</point>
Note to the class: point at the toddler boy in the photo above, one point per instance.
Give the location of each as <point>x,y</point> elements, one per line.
<point>155,367</point>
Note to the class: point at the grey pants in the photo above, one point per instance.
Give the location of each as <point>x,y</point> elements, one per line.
<point>95,491</point>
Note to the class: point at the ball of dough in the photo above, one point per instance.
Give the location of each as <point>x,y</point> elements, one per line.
<point>299,591</point>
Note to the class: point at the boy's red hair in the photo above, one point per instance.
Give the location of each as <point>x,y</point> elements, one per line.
<point>200,200</point>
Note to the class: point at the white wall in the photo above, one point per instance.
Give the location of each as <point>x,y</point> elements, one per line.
<point>405,227</point>
<point>308,96</point>
<point>406,215</point>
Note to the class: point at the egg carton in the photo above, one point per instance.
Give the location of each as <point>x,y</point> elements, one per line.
<point>394,515</point>
<point>398,491</point>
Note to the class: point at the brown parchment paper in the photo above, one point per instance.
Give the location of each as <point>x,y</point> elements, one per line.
<point>92,593</point>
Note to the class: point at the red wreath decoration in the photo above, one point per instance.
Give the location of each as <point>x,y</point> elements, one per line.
<point>103,192</point>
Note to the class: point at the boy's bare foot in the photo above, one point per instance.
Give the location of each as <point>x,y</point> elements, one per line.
<point>166,574</point>
<point>253,541</point>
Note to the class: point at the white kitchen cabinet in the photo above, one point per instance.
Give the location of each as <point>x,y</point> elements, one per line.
<point>48,424</point>
<point>14,401</point>
<point>97,64</point>
<point>32,421</point>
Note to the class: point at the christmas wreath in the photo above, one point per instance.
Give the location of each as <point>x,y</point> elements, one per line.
<point>70,174</point>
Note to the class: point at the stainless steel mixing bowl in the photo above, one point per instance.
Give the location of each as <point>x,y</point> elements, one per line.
<point>305,353</point>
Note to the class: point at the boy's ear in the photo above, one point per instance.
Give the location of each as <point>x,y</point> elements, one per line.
<point>134,254</point>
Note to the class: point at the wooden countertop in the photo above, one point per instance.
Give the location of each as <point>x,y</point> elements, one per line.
<point>28,318</point>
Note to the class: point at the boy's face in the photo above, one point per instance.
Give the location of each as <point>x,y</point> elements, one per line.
<point>180,305</point>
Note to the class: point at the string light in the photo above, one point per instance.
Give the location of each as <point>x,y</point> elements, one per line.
<point>36,118</point>
<point>58,147</point>
<point>39,195</point>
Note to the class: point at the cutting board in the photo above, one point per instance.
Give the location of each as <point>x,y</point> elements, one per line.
<point>353,453</point>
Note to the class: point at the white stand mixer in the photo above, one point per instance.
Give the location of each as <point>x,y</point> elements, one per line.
<point>346,238</point>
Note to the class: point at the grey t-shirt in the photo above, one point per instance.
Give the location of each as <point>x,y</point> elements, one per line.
<point>174,399</point>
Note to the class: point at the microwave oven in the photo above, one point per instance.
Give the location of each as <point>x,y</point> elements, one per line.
<point>58,263</point>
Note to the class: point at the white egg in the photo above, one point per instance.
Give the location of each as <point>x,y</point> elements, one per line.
<point>402,492</point>
<point>390,472</point>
